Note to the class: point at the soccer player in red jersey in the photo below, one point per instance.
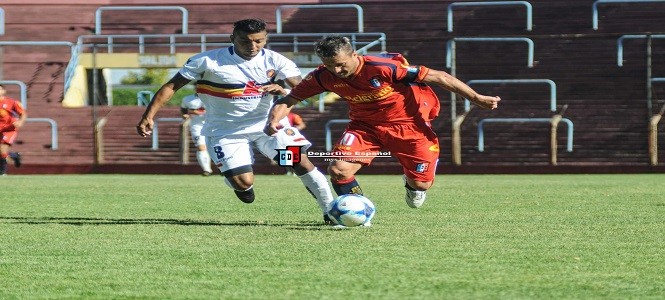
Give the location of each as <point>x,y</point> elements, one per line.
<point>12,116</point>
<point>390,107</point>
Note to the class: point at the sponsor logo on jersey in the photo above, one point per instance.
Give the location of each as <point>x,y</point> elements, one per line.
<point>252,89</point>
<point>422,167</point>
<point>434,148</point>
<point>289,156</point>
<point>377,95</point>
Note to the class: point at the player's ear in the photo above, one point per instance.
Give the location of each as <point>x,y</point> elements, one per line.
<point>231,37</point>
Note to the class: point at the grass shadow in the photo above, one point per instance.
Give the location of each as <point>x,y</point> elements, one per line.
<point>82,221</point>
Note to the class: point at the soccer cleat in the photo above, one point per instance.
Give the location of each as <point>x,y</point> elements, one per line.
<point>16,157</point>
<point>413,198</point>
<point>245,196</point>
<point>327,220</point>
<point>206,173</point>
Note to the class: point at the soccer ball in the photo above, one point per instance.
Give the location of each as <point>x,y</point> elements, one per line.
<point>351,210</point>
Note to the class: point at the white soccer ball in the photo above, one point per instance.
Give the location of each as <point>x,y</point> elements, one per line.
<point>351,210</point>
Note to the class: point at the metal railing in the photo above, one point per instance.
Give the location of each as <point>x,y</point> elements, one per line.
<point>516,81</point>
<point>358,8</point>
<point>329,131</point>
<point>529,10</point>
<point>23,90</point>
<point>361,41</point>
<point>54,129</point>
<point>450,46</point>
<point>98,14</point>
<point>481,133</point>
<point>2,21</point>
<point>632,36</point>
<point>155,130</point>
<point>143,98</point>
<point>594,10</point>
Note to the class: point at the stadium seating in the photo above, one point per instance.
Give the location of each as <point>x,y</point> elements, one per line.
<point>607,103</point>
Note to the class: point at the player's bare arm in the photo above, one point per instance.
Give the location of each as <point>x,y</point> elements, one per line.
<point>163,95</point>
<point>277,89</point>
<point>279,111</point>
<point>456,86</point>
<point>21,120</point>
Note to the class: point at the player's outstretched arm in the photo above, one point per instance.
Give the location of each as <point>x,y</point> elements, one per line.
<point>279,111</point>
<point>456,86</point>
<point>163,95</point>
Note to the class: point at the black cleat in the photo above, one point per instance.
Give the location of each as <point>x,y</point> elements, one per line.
<point>17,158</point>
<point>245,196</point>
<point>327,220</point>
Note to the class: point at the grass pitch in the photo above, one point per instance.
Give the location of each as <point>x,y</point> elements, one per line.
<point>476,237</point>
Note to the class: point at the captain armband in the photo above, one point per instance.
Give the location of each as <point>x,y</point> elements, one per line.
<point>412,73</point>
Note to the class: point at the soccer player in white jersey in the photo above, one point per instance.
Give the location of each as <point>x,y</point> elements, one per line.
<point>237,87</point>
<point>192,108</point>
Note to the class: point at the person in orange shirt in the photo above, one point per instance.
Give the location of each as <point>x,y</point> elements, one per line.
<point>390,107</point>
<point>12,117</point>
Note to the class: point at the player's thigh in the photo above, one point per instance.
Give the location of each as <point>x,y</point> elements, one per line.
<point>233,156</point>
<point>418,153</point>
<point>357,145</point>
<point>8,137</point>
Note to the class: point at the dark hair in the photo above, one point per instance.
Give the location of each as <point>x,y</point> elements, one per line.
<point>249,26</point>
<point>332,45</point>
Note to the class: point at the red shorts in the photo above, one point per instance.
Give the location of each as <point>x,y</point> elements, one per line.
<point>8,135</point>
<point>414,145</point>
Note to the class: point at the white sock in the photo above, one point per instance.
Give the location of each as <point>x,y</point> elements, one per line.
<point>317,183</point>
<point>204,160</point>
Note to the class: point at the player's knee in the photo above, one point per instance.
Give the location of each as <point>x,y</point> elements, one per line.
<point>421,185</point>
<point>240,182</point>
<point>337,174</point>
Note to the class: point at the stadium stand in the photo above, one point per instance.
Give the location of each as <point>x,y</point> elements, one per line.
<point>607,103</point>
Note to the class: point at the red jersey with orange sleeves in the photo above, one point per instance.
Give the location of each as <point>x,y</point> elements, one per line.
<point>10,110</point>
<point>383,90</point>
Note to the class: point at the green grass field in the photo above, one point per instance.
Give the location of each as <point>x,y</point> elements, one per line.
<point>477,237</point>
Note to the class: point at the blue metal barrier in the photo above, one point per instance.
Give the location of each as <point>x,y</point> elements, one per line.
<point>2,21</point>
<point>451,43</point>
<point>520,81</point>
<point>329,133</point>
<point>155,130</point>
<point>143,98</point>
<point>632,36</point>
<point>594,9</point>
<point>54,130</point>
<point>481,133</point>
<point>98,14</point>
<point>359,9</point>
<point>529,10</point>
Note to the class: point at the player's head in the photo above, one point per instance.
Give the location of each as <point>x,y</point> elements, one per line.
<point>2,91</point>
<point>249,37</point>
<point>337,55</point>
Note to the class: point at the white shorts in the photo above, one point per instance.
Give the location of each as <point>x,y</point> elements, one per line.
<point>195,132</point>
<point>235,151</point>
